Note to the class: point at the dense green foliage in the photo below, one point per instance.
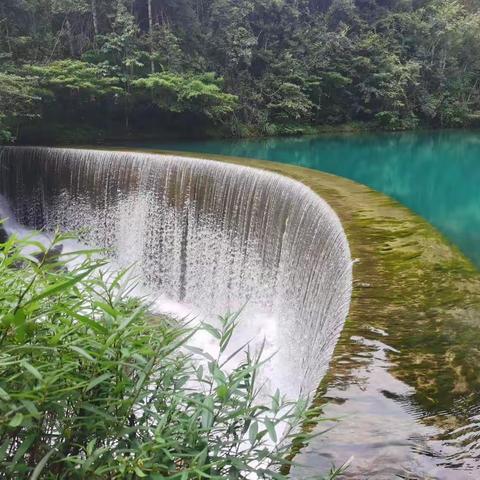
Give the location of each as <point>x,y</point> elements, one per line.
<point>93,386</point>
<point>237,66</point>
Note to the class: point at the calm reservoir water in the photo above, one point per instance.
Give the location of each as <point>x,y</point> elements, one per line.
<point>436,174</point>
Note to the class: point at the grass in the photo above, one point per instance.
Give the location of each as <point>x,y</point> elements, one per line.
<point>93,386</point>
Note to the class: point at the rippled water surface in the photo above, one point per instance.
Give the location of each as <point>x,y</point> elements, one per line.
<point>436,174</point>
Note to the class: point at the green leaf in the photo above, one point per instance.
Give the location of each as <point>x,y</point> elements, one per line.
<point>41,465</point>
<point>97,411</point>
<point>271,429</point>
<point>222,392</point>
<point>30,406</point>
<point>8,319</point>
<point>4,395</point>
<point>91,446</point>
<point>125,323</point>
<point>17,420</point>
<point>106,308</point>
<point>201,458</point>
<point>212,330</point>
<point>82,352</point>
<point>139,472</point>
<point>276,401</point>
<point>62,285</point>
<point>207,413</point>
<point>96,326</point>
<point>252,432</point>
<point>93,383</point>
<point>19,317</point>
<point>32,370</point>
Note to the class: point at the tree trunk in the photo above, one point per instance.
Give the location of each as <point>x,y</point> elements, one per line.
<point>95,19</point>
<point>150,31</point>
<point>68,28</point>
<point>7,33</point>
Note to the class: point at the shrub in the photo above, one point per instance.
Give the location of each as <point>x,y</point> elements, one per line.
<point>393,121</point>
<point>18,101</point>
<point>93,385</point>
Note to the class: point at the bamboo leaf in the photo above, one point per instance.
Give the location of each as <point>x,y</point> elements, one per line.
<point>207,413</point>
<point>58,287</point>
<point>271,429</point>
<point>96,326</point>
<point>82,352</point>
<point>16,420</point>
<point>252,432</point>
<point>4,395</point>
<point>93,383</point>
<point>32,370</point>
<point>41,465</point>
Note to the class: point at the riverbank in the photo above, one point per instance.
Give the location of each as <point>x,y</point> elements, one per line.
<point>59,135</point>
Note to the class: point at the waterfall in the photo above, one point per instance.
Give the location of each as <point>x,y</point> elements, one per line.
<point>213,235</point>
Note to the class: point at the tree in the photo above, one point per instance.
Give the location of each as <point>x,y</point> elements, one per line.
<point>199,94</point>
<point>75,78</point>
<point>18,102</point>
<point>289,62</point>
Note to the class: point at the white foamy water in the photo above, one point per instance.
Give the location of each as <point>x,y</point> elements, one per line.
<point>207,239</point>
<point>255,331</point>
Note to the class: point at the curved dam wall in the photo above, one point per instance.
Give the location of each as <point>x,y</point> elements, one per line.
<point>212,235</point>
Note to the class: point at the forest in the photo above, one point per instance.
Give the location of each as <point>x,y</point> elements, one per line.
<point>74,71</point>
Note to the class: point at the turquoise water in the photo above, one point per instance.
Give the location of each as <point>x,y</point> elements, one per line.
<point>436,174</point>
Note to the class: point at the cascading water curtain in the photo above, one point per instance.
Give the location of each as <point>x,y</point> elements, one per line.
<point>212,235</point>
